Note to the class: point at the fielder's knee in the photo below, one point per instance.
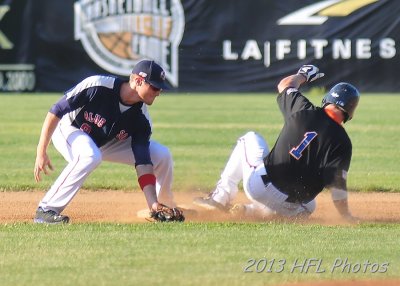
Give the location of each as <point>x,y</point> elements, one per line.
<point>249,134</point>
<point>161,155</point>
<point>93,160</point>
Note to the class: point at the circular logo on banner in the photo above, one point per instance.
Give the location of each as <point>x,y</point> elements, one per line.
<point>118,34</point>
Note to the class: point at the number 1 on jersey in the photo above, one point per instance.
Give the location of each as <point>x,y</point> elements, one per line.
<point>308,137</point>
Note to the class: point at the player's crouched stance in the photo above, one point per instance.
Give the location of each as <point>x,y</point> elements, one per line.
<point>106,118</point>
<point>313,151</point>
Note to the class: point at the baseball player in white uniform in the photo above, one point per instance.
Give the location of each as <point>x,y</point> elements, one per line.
<point>105,118</point>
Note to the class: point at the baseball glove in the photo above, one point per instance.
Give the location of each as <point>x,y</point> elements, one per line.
<point>166,214</point>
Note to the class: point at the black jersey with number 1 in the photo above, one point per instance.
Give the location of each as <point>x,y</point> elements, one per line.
<point>312,151</point>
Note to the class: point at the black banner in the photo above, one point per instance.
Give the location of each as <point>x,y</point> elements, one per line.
<point>204,45</point>
<point>16,68</point>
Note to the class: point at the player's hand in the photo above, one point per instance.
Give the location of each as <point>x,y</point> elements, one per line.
<point>41,164</point>
<point>310,72</point>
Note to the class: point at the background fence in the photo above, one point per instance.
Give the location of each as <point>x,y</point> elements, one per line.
<point>204,45</point>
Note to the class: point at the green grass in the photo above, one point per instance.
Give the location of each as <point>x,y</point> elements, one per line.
<point>200,130</point>
<point>192,253</point>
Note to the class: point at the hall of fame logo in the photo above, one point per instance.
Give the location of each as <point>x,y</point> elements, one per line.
<point>117,34</point>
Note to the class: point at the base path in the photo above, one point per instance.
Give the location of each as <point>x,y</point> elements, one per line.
<point>122,207</point>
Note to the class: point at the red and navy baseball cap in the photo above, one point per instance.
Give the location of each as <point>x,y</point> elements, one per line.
<point>152,73</point>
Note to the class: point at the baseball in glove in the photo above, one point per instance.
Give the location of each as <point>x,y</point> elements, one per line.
<point>166,214</point>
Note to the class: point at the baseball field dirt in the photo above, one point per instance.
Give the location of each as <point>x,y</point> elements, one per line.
<point>122,207</point>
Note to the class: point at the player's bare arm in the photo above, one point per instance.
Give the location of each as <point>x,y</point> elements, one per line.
<point>42,159</point>
<point>306,73</point>
<point>146,174</point>
<point>158,211</point>
<point>343,207</point>
<point>339,198</point>
<point>294,81</point>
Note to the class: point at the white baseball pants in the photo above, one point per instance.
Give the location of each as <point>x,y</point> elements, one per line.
<point>83,156</point>
<point>246,163</point>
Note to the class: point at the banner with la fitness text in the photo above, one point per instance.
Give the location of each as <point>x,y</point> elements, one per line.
<point>203,45</point>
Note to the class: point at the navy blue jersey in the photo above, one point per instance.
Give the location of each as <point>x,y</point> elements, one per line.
<point>94,106</point>
<point>312,151</point>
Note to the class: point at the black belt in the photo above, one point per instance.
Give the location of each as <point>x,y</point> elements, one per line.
<point>266,180</point>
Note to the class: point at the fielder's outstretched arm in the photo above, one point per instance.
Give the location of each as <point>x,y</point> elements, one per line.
<point>42,159</point>
<point>147,182</point>
<point>158,211</point>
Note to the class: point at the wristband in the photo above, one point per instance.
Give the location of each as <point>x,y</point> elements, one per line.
<point>146,179</point>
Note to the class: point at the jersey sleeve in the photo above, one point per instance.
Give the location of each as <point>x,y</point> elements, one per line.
<point>81,94</point>
<point>141,145</point>
<point>335,175</point>
<point>291,101</point>
<point>67,103</point>
<point>87,89</point>
<point>61,107</point>
<point>141,151</point>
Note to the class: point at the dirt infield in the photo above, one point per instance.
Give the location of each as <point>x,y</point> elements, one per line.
<point>122,207</point>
